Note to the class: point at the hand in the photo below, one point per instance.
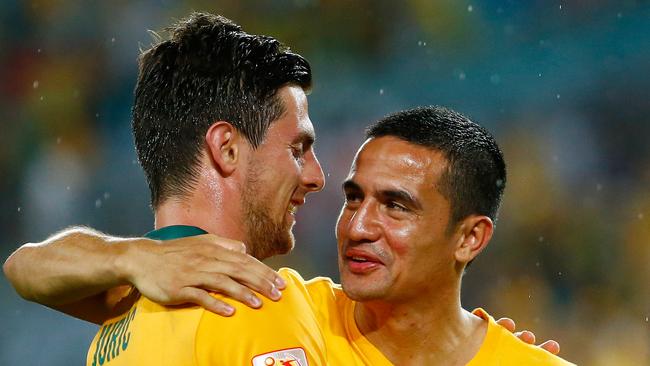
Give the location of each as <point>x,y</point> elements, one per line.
<point>529,337</point>
<point>185,271</point>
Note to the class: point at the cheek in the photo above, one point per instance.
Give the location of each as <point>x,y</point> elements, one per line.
<point>400,237</point>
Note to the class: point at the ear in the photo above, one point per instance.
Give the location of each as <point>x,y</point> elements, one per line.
<point>475,233</point>
<point>223,144</point>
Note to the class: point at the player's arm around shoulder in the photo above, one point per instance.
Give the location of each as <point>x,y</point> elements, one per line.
<point>277,332</point>
<point>75,271</point>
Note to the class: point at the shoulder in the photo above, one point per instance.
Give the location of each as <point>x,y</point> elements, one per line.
<point>506,349</point>
<point>287,324</point>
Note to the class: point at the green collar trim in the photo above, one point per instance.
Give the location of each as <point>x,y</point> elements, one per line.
<point>175,232</point>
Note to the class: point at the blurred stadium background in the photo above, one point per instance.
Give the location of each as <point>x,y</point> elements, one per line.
<point>563,85</point>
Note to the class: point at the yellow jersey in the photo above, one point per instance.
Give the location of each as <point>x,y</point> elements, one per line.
<point>500,347</point>
<point>312,325</point>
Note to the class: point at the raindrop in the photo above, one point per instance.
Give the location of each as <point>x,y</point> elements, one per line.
<point>96,115</point>
<point>560,6</point>
<point>58,140</point>
<point>419,43</point>
<point>470,8</point>
<point>540,239</point>
<point>98,203</point>
<point>539,75</point>
<point>35,84</point>
<point>38,50</point>
<point>19,208</point>
<point>67,188</point>
<point>640,216</point>
<point>619,16</point>
<point>381,91</point>
<point>557,96</point>
<point>113,40</point>
<point>107,195</point>
<point>461,76</point>
<point>559,273</point>
<point>646,319</point>
<point>41,98</point>
<point>599,187</point>
<point>530,296</point>
<point>328,175</point>
<point>537,264</point>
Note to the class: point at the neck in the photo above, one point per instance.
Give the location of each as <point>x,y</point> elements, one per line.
<point>432,330</point>
<point>215,208</point>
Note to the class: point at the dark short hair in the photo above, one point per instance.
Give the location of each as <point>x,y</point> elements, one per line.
<point>476,173</point>
<point>209,70</point>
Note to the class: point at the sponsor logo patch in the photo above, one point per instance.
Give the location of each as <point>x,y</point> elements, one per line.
<point>284,357</point>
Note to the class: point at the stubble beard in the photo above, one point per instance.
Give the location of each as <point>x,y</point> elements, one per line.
<point>265,237</point>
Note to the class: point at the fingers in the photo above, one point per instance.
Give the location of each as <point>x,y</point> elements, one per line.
<point>203,299</point>
<point>247,271</point>
<point>228,287</point>
<point>551,346</point>
<point>507,323</point>
<point>526,336</point>
<point>237,253</point>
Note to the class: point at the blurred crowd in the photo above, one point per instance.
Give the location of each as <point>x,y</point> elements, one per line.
<point>562,85</point>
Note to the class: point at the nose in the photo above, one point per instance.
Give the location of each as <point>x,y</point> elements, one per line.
<point>363,225</point>
<point>313,178</point>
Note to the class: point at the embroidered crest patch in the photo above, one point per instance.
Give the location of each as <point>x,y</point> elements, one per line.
<point>284,357</point>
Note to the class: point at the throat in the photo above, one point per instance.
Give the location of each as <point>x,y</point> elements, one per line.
<point>410,338</point>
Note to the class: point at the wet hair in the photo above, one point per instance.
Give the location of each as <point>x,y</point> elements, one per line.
<point>208,70</point>
<point>475,176</point>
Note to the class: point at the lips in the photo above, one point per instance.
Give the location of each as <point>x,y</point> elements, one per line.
<point>360,261</point>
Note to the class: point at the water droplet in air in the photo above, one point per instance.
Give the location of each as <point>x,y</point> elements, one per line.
<point>113,40</point>
<point>540,239</point>
<point>19,208</point>
<point>107,195</point>
<point>38,50</point>
<point>58,140</point>
<point>67,188</point>
<point>619,15</point>
<point>381,91</point>
<point>98,203</point>
<point>640,216</point>
<point>470,8</point>
<point>462,76</point>
<point>41,98</point>
<point>539,75</point>
<point>35,84</point>
<point>557,96</point>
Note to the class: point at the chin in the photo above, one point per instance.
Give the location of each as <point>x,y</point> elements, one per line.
<point>360,290</point>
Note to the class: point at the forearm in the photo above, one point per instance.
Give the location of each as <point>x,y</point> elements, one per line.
<point>69,266</point>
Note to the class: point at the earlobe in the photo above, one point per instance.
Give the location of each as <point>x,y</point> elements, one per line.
<point>476,232</point>
<point>222,142</point>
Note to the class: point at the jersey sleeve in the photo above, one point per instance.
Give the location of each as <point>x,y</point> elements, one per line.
<point>280,333</point>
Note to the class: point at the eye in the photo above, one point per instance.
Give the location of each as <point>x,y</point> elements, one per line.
<point>297,151</point>
<point>392,205</point>
<point>352,197</point>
